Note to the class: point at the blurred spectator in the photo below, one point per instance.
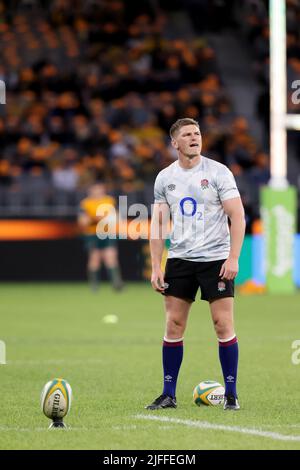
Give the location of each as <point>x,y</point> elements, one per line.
<point>88,102</point>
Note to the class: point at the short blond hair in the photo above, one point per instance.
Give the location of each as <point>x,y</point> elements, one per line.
<point>180,123</point>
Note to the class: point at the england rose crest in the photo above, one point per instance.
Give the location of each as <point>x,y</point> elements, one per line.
<point>204,184</point>
<point>221,286</point>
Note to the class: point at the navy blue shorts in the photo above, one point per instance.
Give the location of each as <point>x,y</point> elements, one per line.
<point>92,242</point>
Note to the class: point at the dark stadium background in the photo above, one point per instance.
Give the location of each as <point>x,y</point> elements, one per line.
<point>92,88</point>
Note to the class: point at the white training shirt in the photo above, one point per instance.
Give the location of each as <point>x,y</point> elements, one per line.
<point>200,229</point>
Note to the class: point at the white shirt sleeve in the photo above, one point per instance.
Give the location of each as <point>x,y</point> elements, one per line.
<point>159,191</point>
<point>226,184</point>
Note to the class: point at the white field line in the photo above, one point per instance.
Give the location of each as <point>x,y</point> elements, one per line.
<point>292,426</point>
<point>221,427</point>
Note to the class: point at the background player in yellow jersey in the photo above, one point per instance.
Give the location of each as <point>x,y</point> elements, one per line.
<point>99,251</point>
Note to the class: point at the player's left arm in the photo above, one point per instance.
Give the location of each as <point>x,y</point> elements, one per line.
<point>235,211</point>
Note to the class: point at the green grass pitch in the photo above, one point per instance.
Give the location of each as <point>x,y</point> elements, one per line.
<point>57,330</point>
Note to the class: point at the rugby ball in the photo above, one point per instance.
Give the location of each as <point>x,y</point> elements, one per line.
<point>56,399</point>
<point>208,393</point>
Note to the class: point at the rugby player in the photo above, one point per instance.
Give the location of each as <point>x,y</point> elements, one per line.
<point>98,250</point>
<point>201,195</point>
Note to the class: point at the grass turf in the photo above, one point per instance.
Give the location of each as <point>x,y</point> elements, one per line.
<point>57,330</point>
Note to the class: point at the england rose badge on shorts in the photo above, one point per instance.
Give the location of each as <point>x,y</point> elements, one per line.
<point>221,286</point>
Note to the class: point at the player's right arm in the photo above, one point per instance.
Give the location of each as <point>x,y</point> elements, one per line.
<point>83,218</point>
<point>159,230</point>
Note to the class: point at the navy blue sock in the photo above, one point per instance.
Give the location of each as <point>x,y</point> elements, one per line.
<point>93,279</point>
<point>229,356</point>
<point>172,357</point>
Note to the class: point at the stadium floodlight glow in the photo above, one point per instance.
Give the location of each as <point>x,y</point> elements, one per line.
<point>292,121</point>
<point>278,95</point>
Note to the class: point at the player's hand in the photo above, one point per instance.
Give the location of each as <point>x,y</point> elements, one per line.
<point>157,280</point>
<point>84,220</point>
<point>229,269</point>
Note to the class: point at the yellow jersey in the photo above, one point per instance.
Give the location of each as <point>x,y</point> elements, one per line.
<point>89,206</point>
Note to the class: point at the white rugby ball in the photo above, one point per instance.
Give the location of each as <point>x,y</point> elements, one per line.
<point>56,399</point>
<point>209,393</point>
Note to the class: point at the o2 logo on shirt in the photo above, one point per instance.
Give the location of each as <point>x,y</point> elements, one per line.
<point>188,208</point>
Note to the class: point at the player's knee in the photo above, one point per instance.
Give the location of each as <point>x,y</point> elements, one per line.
<point>94,261</point>
<point>175,327</point>
<point>110,256</point>
<point>110,263</point>
<point>223,327</point>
